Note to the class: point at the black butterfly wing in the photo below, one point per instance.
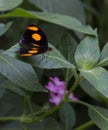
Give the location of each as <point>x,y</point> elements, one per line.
<point>33,41</point>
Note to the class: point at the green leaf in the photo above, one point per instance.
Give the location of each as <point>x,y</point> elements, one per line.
<point>51,124</point>
<point>92,91</point>
<point>5,107</point>
<point>2,91</point>
<point>98,77</point>
<point>72,7</point>
<point>65,21</point>
<point>9,4</point>
<point>20,73</point>
<point>4,27</point>
<point>99,116</point>
<point>67,47</point>
<point>87,53</point>
<point>11,104</point>
<point>2,79</point>
<point>62,20</point>
<point>51,60</point>
<point>13,88</point>
<point>12,51</point>
<point>58,30</point>
<point>67,116</point>
<point>91,9</point>
<point>104,56</point>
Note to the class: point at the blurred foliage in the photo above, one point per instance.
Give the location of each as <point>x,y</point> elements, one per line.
<point>97,17</point>
<point>91,12</point>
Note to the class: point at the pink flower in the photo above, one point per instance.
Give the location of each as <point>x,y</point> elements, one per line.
<point>72,97</point>
<point>57,90</point>
<point>55,99</point>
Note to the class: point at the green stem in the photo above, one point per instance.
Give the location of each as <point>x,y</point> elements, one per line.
<point>67,70</point>
<point>74,73</point>
<point>26,119</point>
<point>37,113</point>
<point>48,112</point>
<point>85,126</point>
<point>29,103</point>
<point>9,118</point>
<point>66,78</point>
<point>74,86</point>
<point>24,105</point>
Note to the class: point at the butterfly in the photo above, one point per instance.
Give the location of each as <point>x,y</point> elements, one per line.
<point>33,41</point>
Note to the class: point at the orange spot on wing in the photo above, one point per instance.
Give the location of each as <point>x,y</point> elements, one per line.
<point>26,54</point>
<point>35,45</point>
<point>35,49</point>
<point>36,37</point>
<point>32,51</point>
<point>33,28</point>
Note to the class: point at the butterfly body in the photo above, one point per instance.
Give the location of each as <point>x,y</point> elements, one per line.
<point>33,41</point>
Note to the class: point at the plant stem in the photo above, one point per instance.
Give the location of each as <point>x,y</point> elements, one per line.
<point>9,118</point>
<point>74,86</point>
<point>30,105</point>
<point>48,112</point>
<point>24,105</point>
<point>85,126</point>
<point>66,78</point>
<point>36,113</point>
<point>26,119</point>
<point>74,73</point>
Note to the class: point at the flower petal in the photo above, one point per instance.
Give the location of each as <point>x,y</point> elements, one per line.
<point>57,82</point>
<point>55,99</point>
<point>51,87</point>
<point>72,97</point>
